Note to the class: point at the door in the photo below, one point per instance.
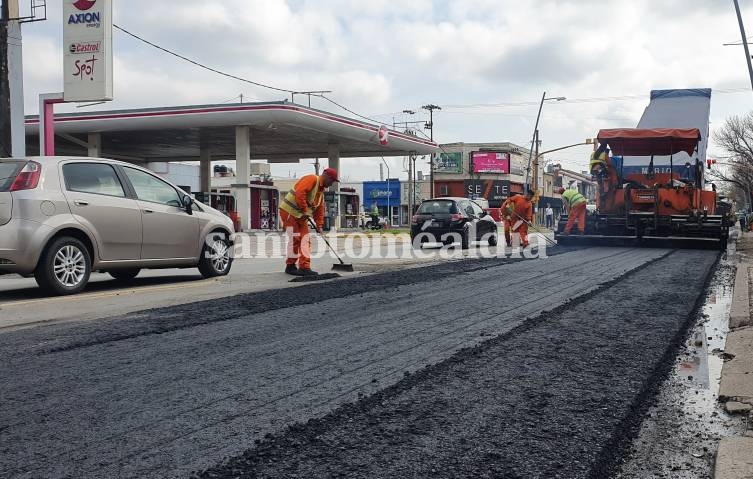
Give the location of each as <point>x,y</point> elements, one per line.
<point>98,201</point>
<point>483,224</point>
<point>168,231</point>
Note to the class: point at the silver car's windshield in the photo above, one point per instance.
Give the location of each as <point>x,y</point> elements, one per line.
<point>8,171</point>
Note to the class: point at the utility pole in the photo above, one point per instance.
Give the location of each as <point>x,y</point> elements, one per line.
<point>535,177</point>
<point>415,184</point>
<point>535,134</point>
<point>5,113</point>
<point>411,186</point>
<point>745,42</point>
<point>411,172</point>
<point>431,107</point>
<point>389,192</point>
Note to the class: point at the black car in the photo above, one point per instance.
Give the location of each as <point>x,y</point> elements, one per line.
<point>447,220</point>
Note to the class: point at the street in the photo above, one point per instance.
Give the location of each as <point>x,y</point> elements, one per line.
<point>564,366</point>
<point>21,302</point>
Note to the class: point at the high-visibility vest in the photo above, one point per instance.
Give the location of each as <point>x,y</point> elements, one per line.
<point>573,197</point>
<point>313,201</point>
<point>601,160</point>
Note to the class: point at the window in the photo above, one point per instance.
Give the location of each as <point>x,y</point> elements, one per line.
<point>151,188</point>
<point>444,190</point>
<point>434,207</point>
<point>477,210</point>
<point>465,207</point>
<point>94,178</point>
<point>8,172</point>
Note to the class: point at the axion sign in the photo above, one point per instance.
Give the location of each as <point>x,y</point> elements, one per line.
<point>87,34</point>
<point>89,18</point>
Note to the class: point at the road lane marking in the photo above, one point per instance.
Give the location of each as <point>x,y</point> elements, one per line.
<point>120,292</point>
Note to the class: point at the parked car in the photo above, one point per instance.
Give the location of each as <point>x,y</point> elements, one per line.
<point>445,219</point>
<point>62,218</point>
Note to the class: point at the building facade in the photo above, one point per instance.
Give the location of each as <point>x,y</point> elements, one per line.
<point>480,170</point>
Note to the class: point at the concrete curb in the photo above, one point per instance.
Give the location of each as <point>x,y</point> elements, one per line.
<point>739,314</point>
<point>734,457</point>
<point>737,373</point>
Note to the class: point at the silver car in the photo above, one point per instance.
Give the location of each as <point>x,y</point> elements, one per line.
<point>62,218</point>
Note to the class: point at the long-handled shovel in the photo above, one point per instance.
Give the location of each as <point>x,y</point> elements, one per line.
<point>551,242</point>
<point>335,267</point>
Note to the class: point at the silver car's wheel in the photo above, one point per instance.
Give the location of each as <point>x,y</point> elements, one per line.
<point>220,255</point>
<point>69,266</point>
<point>64,267</point>
<point>216,258</point>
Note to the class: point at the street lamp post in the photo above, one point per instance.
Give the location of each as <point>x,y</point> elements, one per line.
<point>535,134</point>
<point>745,41</point>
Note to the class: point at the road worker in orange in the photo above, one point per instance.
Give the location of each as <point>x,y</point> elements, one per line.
<point>505,212</point>
<point>576,209</point>
<point>304,201</point>
<point>517,212</point>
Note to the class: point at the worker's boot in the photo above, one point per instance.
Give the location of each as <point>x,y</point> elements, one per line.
<point>307,272</point>
<point>293,270</point>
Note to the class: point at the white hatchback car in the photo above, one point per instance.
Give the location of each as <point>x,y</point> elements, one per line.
<point>62,218</point>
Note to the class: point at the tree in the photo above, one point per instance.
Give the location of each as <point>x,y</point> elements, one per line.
<point>736,138</point>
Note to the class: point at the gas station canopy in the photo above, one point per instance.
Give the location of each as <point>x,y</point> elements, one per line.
<point>279,132</point>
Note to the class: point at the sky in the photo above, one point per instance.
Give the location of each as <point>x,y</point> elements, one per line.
<point>486,63</point>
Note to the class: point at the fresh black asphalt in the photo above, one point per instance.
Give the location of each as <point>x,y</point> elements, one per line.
<point>166,392</point>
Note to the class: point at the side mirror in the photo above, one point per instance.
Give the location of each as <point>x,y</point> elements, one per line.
<point>483,214</point>
<point>188,204</point>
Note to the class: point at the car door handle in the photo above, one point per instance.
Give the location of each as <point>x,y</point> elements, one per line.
<point>148,211</point>
<point>81,203</point>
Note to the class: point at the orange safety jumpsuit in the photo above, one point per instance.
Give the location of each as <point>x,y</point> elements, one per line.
<point>505,212</point>
<point>576,205</point>
<point>305,200</point>
<point>513,209</point>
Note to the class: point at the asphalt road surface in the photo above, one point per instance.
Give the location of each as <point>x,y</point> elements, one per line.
<point>522,368</point>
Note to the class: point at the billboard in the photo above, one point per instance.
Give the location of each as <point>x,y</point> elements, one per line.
<point>448,163</point>
<point>87,54</point>
<point>490,162</point>
<point>495,191</point>
<point>380,192</point>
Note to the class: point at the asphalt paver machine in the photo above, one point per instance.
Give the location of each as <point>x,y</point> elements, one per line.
<point>657,202</point>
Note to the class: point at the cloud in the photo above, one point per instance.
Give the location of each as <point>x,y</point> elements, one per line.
<point>385,56</point>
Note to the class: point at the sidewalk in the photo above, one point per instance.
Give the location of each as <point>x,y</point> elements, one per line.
<point>734,458</point>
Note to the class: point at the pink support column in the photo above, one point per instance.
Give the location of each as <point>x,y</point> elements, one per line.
<point>47,103</point>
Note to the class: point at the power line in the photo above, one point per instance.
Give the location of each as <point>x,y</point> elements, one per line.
<point>235,77</point>
<point>349,110</point>
<point>512,104</point>
<point>201,65</point>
